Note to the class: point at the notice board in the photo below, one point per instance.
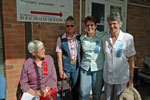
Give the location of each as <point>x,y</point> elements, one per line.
<point>51,11</point>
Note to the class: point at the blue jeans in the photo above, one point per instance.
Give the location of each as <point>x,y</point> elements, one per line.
<point>74,76</point>
<point>90,79</point>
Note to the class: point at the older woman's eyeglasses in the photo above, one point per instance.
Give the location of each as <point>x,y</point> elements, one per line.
<point>40,50</point>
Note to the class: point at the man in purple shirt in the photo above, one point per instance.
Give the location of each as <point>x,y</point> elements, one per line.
<point>38,74</point>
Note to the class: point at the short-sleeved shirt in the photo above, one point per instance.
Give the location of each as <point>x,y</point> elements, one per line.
<point>116,66</point>
<point>92,57</point>
<point>32,76</point>
<point>58,46</point>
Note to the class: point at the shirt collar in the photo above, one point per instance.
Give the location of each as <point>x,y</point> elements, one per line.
<point>65,35</point>
<point>120,36</point>
<point>97,34</point>
<point>32,60</point>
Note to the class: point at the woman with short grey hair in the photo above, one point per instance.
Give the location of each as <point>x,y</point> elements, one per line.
<point>119,58</point>
<point>38,74</point>
<point>34,45</point>
<point>115,16</point>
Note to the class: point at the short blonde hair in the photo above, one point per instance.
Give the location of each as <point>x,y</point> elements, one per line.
<point>71,18</point>
<point>34,45</point>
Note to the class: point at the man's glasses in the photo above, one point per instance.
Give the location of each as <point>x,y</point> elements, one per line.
<point>69,25</point>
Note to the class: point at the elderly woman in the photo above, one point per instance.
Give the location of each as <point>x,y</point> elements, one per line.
<point>119,58</point>
<point>92,61</point>
<point>38,74</point>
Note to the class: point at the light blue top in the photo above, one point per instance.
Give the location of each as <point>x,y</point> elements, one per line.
<point>92,55</point>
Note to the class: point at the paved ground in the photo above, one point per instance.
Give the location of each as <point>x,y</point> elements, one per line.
<point>102,97</point>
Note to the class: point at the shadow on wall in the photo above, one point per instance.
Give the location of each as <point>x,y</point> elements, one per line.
<point>19,92</point>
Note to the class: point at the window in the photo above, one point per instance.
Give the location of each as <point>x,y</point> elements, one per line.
<point>1,43</point>
<point>98,12</point>
<point>100,9</point>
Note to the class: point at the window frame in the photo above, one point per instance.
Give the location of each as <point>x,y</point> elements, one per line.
<point>2,72</point>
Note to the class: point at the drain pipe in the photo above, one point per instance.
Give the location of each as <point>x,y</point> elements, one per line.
<point>80,17</point>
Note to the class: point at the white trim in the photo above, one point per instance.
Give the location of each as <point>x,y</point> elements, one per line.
<point>86,8</point>
<point>134,4</point>
<point>125,8</point>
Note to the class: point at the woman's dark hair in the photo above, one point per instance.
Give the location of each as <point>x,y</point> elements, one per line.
<point>89,18</point>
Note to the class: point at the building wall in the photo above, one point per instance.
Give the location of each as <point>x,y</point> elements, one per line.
<point>14,41</point>
<point>138,24</point>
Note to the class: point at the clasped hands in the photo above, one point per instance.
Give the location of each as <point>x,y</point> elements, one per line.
<point>43,92</point>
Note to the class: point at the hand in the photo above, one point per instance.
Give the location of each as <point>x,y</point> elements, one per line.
<point>40,93</point>
<point>46,90</point>
<point>35,92</point>
<point>130,83</point>
<point>63,75</point>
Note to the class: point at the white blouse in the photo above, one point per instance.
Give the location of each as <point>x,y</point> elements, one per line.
<point>116,66</point>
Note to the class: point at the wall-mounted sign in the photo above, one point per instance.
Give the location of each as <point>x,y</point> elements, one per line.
<point>54,11</point>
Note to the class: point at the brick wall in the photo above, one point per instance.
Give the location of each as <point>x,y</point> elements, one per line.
<point>14,41</point>
<point>138,24</point>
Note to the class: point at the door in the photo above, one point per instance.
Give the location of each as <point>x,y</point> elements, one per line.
<point>100,9</point>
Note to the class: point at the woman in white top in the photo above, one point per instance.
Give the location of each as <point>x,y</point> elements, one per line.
<point>119,58</point>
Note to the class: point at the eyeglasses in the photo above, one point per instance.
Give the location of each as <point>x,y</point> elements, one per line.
<point>69,25</point>
<point>40,50</point>
<point>90,25</point>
